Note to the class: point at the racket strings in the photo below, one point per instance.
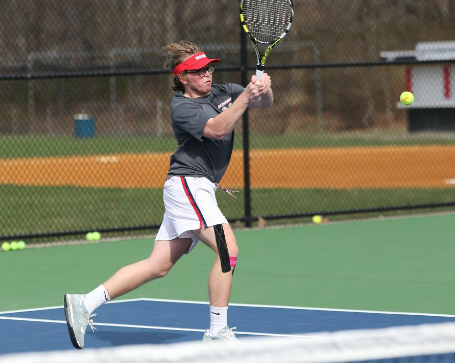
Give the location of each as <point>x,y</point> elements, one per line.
<point>267,20</point>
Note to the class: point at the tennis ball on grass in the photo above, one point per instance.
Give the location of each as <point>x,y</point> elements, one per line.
<point>317,219</point>
<point>13,246</point>
<point>21,245</point>
<point>96,236</point>
<point>406,98</point>
<point>6,246</point>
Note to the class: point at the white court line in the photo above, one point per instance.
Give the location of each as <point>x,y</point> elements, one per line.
<point>249,305</point>
<point>61,307</point>
<point>151,327</point>
<point>306,308</point>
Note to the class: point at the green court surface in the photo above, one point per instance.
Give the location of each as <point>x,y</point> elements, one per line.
<point>401,265</point>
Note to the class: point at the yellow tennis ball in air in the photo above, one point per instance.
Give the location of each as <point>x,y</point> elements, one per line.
<point>21,245</point>
<point>96,236</point>
<point>89,236</point>
<point>13,246</point>
<point>6,246</point>
<point>406,98</point>
<point>317,219</point>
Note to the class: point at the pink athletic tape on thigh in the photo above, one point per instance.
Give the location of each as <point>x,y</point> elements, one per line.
<point>233,261</point>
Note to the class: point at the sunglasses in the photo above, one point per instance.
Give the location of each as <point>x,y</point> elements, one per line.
<point>203,71</point>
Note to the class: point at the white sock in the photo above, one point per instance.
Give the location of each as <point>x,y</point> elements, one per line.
<point>218,319</point>
<point>96,298</point>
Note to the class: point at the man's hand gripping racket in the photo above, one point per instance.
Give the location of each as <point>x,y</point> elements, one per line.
<point>266,22</point>
<point>256,88</point>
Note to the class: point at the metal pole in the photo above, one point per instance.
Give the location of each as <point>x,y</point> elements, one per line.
<point>246,143</point>
<point>318,80</point>
<point>31,94</point>
<point>113,92</point>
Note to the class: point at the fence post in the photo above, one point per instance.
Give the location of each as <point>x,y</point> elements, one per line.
<point>113,92</point>
<point>31,94</point>
<point>246,143</point>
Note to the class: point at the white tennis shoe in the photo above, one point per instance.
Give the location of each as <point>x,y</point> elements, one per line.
<point>224,334</point>
<point>77,318</point>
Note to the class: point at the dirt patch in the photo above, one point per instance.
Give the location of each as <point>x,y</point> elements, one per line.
<point>340,168</point>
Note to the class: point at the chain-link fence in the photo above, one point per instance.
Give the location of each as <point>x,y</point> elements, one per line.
<point>85,128</point>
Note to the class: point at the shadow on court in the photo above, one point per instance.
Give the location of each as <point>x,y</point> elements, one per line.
<point>117,338</point>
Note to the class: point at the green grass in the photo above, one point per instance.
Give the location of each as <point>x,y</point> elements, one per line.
<point>266,202</point>
<point>34,210</point>
<point>30,210</point>
<point>41,146</point>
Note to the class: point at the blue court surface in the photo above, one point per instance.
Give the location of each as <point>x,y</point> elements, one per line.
<point>150,321</point>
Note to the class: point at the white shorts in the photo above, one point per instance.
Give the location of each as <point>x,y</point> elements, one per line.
<point>189,204</point>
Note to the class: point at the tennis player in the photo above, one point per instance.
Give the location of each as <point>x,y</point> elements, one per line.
<point>203,118</point>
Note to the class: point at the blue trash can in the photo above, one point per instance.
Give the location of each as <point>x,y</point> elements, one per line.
<point>84,125</point>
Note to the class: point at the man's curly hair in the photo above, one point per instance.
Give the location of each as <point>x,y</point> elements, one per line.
<point>175,54</point>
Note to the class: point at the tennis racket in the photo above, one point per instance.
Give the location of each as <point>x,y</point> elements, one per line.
<point>266,22</point>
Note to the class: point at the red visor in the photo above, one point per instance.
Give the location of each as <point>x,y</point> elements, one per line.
<point>196,61</point>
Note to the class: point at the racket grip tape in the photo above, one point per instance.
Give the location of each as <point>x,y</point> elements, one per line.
<point>259,73</point>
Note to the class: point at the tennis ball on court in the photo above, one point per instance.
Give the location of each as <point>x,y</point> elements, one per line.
<point>96,236</point>
<point>6,246</point>
<point>21,245</point>
<point>13,246</point>
<point>89,236</point>
<point>406,98</point>
<point>317,219</point>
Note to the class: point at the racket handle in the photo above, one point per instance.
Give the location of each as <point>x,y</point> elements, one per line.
<point>259,74</point>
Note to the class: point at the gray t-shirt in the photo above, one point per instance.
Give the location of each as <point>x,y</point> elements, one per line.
<point>197,155</point>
